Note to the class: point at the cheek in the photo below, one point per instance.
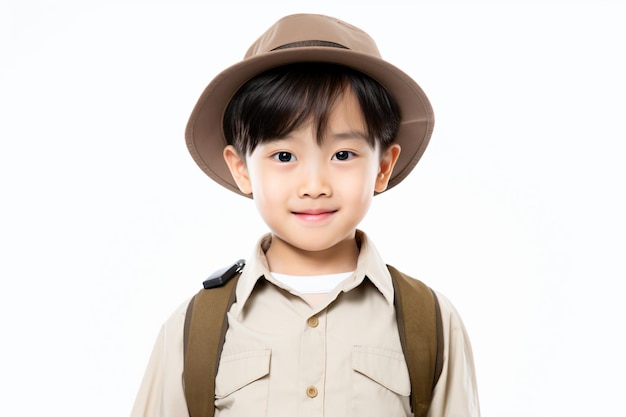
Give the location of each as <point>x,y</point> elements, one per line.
<point>267,189</point>
<point>357,188</point>
<point>256,180</point>
<point>362,181</point>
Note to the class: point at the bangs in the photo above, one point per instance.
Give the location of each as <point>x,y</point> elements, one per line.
<point>278,101</point>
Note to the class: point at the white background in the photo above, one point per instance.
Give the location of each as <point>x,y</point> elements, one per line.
<point>516,211</point>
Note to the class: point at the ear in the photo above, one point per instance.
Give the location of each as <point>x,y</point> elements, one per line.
<point>388,160</point>
<point>238,169</point>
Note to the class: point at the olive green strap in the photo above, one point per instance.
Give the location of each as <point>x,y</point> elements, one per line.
<point>417,312</point>
<point>418,315</point>
<point>206,317</point>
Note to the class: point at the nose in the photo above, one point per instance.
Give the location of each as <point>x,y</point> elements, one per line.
<point>315,182</point>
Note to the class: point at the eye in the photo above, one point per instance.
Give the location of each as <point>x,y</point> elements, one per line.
<point>284,156</point>
<point>343,155</point>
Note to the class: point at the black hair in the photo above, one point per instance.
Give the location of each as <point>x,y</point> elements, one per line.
<point>277,101</point>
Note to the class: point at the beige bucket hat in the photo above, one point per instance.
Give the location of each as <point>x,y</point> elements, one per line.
<point>354,48</point>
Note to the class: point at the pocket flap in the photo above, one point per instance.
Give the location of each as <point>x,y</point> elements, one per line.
<point>384,366</point>
<point>240,369</point>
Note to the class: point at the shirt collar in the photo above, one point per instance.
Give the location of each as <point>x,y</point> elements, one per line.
<point>369,264</point>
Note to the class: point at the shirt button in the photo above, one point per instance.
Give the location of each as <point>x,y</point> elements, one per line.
<point>311,392</point>
<point>313,321</point>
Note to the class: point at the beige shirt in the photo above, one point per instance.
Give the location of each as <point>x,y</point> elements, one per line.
<point>285,357</point>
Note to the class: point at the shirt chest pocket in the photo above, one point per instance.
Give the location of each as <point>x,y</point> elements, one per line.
<point>244,377</point>
<point>380,382</point>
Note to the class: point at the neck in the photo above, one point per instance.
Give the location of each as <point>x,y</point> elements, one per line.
<point>287,259</point>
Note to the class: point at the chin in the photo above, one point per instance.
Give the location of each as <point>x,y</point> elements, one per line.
<point>313,243</point>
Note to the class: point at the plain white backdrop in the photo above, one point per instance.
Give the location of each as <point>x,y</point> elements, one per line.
<point>516,211</point>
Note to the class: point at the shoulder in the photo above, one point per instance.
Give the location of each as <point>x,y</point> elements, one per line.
<point>449,313</point>
<point>446,306</point>
<point>456,338</point>
<point>172,328</point>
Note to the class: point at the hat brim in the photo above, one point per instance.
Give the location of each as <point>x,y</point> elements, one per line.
<point>205,135</point>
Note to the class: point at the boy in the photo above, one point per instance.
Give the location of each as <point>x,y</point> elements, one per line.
<point>311,125</point>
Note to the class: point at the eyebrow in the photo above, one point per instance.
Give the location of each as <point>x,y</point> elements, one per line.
<point>341,135</point>
<point>350,134</point>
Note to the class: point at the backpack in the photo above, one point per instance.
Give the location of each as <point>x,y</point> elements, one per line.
<point>417,314</point>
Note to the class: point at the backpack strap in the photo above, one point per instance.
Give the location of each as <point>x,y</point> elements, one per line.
<point>205,318</point>
<point>419,317</point>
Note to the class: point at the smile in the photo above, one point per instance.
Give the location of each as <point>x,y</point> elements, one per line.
<point>314,215</point>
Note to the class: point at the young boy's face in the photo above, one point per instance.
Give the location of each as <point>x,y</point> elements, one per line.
<point>313,196</point>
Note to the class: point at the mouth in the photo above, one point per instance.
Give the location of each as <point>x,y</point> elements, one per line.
<point>314,215</point>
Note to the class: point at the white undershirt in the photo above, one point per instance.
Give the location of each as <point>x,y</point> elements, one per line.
<point>312,284</point>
